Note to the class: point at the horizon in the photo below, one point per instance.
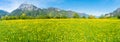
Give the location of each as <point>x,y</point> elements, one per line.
<point>93,7</point>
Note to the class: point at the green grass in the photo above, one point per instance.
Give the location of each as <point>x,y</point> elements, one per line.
<point>60,30</point>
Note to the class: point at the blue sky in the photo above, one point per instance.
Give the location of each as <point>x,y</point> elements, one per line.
<point>92,7</point>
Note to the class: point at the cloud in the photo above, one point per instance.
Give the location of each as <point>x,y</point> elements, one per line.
<point>10,5</point>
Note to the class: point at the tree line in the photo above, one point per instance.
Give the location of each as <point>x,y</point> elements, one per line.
<point>49,16</point>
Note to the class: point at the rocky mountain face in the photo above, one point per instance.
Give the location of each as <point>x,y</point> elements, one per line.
<point>114,13</point>
<point>28,7</point>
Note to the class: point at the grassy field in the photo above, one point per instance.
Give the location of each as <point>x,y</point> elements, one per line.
<point>60,30</point>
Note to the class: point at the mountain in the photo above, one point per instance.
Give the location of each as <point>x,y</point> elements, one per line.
<point>3,13</point>
<point>28,9</point>
<point>33,11</point>
<point>115,13</point>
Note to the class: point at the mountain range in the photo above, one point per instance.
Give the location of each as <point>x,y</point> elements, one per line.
<point>31,10</point>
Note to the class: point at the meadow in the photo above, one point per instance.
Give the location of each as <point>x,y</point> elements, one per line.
<point>60,30</point>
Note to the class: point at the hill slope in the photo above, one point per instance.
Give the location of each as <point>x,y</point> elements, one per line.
<point>3,13</point>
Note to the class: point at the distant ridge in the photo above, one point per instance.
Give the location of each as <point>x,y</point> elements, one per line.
<point>3,13</point>
<point>31,10</point>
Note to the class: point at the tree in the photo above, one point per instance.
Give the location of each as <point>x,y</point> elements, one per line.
<point>50,15</point>
<point>23,16</point>
<point>102,17</point>
<point>91,17</point>
<point>84,17</point>
<point>5,17</point>
<point>9,17</point>
<point>75,15</point>
<point>118,17</point>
